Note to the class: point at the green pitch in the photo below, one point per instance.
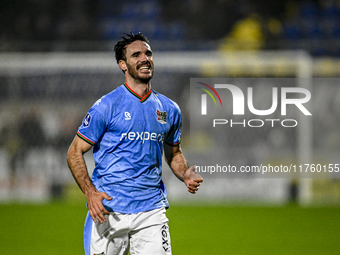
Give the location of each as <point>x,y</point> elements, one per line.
<point>57,228</point>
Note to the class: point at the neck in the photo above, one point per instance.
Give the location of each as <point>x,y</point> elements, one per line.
<point>141,88</point>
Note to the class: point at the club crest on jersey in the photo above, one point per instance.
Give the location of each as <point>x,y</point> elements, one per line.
<point>87,120</point>
<point>161,117</point>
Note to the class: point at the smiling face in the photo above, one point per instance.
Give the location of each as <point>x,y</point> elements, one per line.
<point>139,62</point>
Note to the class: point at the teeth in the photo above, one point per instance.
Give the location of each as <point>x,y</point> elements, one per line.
<point>145,67</point>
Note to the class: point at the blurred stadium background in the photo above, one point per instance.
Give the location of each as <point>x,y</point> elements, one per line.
<point>56,60</point>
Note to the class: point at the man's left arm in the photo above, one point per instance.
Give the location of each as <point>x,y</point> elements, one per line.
<point>179,166</point>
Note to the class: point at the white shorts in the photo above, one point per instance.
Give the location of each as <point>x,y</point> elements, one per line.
<point>144,233</point>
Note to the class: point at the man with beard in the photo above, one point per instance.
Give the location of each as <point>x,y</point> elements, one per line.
<point>129,128</point>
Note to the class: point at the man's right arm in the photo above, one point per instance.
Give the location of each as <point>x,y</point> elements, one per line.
<point>79,171</point>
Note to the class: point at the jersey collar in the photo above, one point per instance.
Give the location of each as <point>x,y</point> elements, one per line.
<point>141,99</point>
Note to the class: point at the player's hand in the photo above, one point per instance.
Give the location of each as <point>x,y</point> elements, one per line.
<point>192,179</point>
<point>96,207</point>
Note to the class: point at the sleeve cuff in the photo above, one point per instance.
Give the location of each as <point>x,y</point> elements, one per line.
<point>85,138</point>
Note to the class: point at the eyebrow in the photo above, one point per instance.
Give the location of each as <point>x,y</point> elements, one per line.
<point>139,52</point>
<point>135,53</point>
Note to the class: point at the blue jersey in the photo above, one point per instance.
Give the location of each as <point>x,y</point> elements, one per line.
<point>128,133</point>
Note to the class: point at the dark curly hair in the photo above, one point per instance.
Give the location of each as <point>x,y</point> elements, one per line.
<point>127,39</point>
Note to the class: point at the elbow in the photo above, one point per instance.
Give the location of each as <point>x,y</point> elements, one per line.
<point>70,154</point>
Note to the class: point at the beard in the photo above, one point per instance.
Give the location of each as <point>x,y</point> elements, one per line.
<point>133,72</point>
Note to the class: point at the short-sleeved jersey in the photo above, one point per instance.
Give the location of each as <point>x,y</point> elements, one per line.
<point>128,133</point>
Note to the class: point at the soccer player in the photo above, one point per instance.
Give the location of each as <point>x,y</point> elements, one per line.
<point>129,128</point>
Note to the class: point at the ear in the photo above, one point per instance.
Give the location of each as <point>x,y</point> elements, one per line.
<point>122,65</point>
